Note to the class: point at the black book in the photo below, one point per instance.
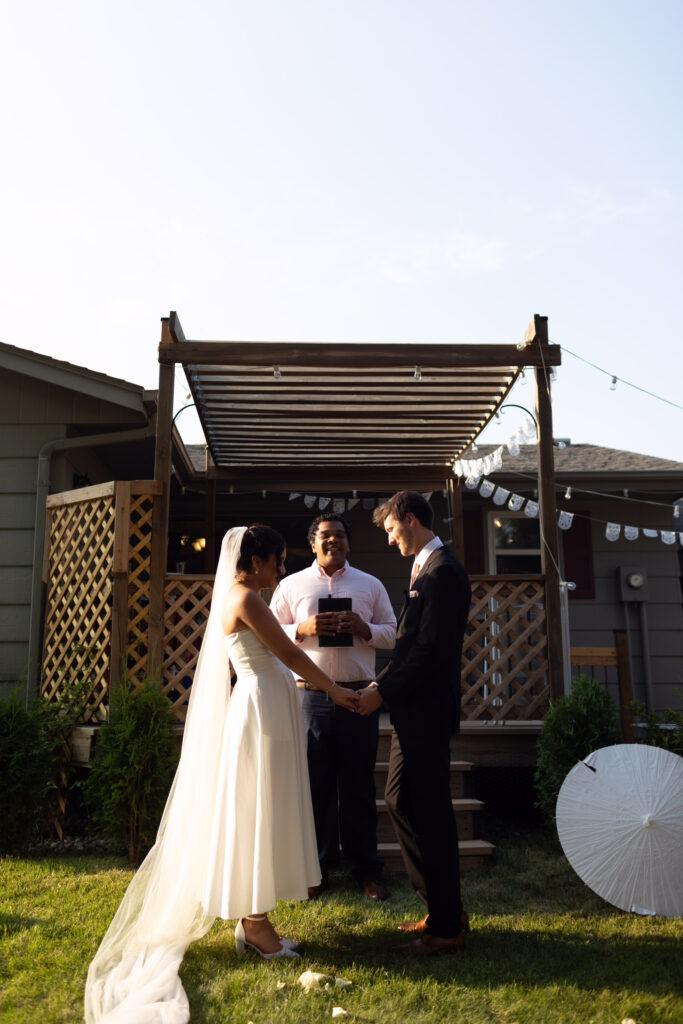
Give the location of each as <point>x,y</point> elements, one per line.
<point>335,604</point>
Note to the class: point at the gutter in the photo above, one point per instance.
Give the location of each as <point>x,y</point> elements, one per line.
<point>42,490</point>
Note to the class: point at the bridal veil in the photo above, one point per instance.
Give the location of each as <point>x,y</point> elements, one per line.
<point>133,978</point>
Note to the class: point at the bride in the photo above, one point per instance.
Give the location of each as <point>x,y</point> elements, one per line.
<point>237,832</point>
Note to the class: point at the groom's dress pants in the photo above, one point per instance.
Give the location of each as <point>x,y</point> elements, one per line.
<point>342,748</point>
<point>418,796</point>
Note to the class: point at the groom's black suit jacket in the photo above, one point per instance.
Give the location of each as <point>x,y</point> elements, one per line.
<point>422,684</point>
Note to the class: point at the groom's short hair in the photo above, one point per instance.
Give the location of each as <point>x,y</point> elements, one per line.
<point>400,504</point>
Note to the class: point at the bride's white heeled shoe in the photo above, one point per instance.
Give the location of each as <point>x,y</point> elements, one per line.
<point>241,943</point>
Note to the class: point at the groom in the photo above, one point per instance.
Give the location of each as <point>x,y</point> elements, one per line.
<point>422,690</point>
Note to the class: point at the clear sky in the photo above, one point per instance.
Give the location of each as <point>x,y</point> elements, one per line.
<point>376,171</point>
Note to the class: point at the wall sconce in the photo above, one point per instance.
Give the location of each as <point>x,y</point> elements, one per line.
<point>199,544</point>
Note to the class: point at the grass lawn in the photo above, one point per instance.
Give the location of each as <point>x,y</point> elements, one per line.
<point>543,948</point>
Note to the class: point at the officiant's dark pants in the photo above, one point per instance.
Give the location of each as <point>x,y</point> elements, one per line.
<point>342,748</point>
<point>418,795</point>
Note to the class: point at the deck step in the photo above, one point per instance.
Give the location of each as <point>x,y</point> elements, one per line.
<point>465,809</point>
<point>474,853</point>
<point>461,778</point>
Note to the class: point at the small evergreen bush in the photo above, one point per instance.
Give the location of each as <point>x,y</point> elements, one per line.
<point>35,761</point>
<point>135,760</point>
<point>583,721</point>
<point>28,758</point>
<point>660,728</point>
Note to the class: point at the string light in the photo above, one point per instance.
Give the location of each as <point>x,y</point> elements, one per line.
<point>277,373</point>
<point>418,373</point>
<point>613,385</point>
<point>568,494</point>
<point>627,382</point>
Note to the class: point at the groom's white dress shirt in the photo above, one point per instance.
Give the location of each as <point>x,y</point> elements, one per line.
<point>422,557</point>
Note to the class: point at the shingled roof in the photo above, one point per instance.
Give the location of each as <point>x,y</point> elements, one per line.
<point>574,458</point>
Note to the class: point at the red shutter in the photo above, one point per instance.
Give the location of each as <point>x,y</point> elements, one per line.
<point>578,558</point>
<point>473,530</point>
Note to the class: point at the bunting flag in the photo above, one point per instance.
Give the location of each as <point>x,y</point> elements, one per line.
<point>565,520</point>
<point>500,496</point>
<point>494,460</point>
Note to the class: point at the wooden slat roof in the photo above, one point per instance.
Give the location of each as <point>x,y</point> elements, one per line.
<point>278,404</point>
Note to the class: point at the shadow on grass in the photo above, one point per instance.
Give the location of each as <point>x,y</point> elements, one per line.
<point>497,957</point>
<point>13,924</point>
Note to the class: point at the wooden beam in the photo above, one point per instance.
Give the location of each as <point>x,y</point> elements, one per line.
<point>162,475</point>
<point>316,355</point>
<point>550,553</point>
<point>455,502</point>
<point>210,551</point>
<point>119,610</point>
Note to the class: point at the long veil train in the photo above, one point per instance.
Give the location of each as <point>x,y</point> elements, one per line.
<point>133,978</point>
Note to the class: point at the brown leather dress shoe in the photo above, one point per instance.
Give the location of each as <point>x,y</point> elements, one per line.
<point>314,891</point>
<point>421,926</point>
<point>374,889</point>
<point>431,945</point>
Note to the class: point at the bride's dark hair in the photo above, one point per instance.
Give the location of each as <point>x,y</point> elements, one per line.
<point>262,541</point>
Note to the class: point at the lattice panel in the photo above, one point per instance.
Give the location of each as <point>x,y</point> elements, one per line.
<point>187,602</point>
<point>78,605</point>
<point>505,663</point>
<point>140,557</point>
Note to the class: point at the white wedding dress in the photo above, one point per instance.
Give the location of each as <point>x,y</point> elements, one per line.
<point>237,833</point>
<point>262,846</point>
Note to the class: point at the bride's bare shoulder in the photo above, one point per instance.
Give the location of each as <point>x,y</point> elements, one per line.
<point>238,604</point>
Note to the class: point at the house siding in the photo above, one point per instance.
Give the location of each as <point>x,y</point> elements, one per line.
<point>592,623</point>
<point>32,413</point>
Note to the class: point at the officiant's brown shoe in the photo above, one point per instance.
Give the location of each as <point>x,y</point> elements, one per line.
<point>431,945</point>
<point>374,889</point>
<point>421,926</point>
<point>315,891</point>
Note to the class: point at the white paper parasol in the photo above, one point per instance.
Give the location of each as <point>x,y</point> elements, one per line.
<point>620,821</point>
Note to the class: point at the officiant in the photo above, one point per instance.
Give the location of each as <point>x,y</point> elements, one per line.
<point>340,616</point>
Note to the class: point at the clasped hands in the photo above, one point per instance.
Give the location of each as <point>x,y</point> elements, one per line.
<point>364,701</point>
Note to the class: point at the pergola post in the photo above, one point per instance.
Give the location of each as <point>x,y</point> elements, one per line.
<point>550,551</point>
<point>455,512</point>
<point>210,553</point>
<point>162,475</point>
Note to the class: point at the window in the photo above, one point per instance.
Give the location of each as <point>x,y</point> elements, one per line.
<point>514,543</point>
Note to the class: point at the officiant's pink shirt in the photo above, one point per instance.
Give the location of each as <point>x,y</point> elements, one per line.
<point>296,599</point>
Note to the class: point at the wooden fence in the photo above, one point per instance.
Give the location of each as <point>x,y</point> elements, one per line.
<point>97,615</point>
<point>97,572</point>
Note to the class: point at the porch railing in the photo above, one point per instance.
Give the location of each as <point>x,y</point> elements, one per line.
<point>97,615</point>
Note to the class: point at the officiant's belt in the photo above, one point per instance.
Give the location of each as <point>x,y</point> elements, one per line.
<point>359,684</point>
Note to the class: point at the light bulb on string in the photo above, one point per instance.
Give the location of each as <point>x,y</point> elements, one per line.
<point>677,511</point>
<point>568,493</point>
<point>613,385</point>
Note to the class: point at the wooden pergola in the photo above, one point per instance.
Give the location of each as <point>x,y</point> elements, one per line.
<point>344,416</point>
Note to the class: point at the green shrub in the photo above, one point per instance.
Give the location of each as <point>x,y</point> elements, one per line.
<point>28,758</point>
<point>583,721</point>
<point>659,728</point>
<point>135,760</point>
<point>35,761</point>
